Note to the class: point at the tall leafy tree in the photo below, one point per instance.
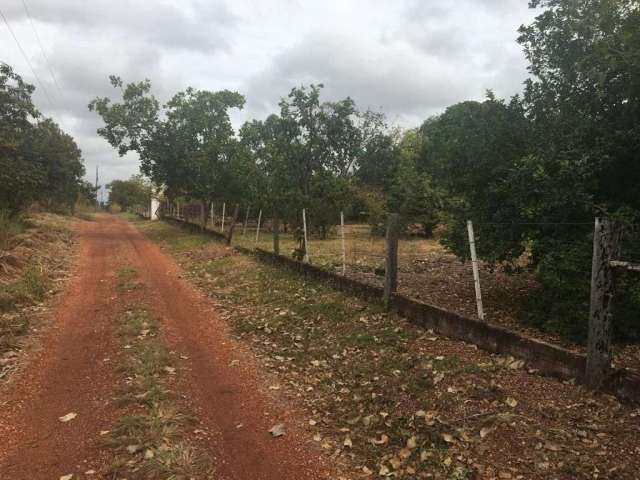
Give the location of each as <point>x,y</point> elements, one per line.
<point>38,161</point>
<point>131,193</point>
<point>188,147</point>
<point>470,151</point>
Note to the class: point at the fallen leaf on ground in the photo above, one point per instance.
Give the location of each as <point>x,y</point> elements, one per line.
<point>485,431</point>
<point>68,417</point>
<point>383,439</point>
<point>277,430</point>
<point>133,449</point>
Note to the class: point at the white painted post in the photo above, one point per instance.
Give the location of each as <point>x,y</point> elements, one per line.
<point>306,240</point>
<point>344,250</point>
<point>258,230</point>
<point>224,205</point>
<point>213,224</point>
<point>246,220</point>
<point>178,208</point>
<point>476,274</point>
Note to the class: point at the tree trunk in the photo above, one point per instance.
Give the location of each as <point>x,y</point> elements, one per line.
<point>236,212</point>
<point>275,223</point>
<point>428,228</point>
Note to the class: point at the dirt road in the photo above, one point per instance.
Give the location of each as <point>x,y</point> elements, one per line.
<point>73,372</point>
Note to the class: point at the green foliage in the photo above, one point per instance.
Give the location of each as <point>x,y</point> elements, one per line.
<point>413,194</point>
<point>31,287</point>
<point>469,150</point>
<point>128,194</point>
<point>187,146</point>
<point>38,161</point>
<point>9,227</point>
<point>307,156</point>
<point>533,172</point>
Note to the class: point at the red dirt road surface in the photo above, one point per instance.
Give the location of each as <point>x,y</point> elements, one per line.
<point>72,372</point>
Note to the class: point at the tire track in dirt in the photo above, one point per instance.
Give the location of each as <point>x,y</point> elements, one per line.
<point>69,373</point>
<point>220,380</point>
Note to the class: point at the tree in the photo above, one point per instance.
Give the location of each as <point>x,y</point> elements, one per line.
<point>128,194</point>
<point>470,151</point>
<point>59,160</point>
<point>321,144</point>
<point>19,178</point>
<point>188,147</point>
<point>532,173</point>
<point>412,193</point>
<point>38,161</point>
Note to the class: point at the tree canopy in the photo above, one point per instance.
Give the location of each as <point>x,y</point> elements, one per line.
<point>38,161</point>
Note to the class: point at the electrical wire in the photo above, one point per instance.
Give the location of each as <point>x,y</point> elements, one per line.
<point>26,58</point>
<point>46,59</point>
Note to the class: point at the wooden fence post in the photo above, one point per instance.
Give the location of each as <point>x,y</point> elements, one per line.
<point>476,273</point>
<point>236,213</point>
<point>391,264</point>
<point>344,250</point>
<point>606,248</point>
<point>276,235</point>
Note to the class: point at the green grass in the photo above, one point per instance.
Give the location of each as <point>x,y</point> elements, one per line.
<point>30,288</point>
<point>151,437</point>
<point>10,226</point>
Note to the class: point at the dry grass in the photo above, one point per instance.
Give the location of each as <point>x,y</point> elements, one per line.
<point>34,264</point>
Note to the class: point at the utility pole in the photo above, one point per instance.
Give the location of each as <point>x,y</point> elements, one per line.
<point>96,205</point>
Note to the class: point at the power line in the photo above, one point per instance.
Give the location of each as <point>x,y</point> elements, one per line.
<point>26,58</point>
<point>55,81</point>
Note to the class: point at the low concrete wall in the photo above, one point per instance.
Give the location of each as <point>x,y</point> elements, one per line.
<point>547,358</point>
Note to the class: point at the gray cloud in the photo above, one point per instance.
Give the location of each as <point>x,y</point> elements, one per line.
<point>196,26</point>
<point>408,58</point>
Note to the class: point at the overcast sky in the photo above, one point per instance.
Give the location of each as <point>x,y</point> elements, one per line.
<point>408,58</point>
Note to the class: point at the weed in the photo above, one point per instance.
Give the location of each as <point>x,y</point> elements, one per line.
<point>127,279</point>
<point>30,288</point>
<point>10,226</point>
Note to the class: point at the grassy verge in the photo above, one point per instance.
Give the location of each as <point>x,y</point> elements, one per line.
<point>151,437</point>
<point>34,261</point>
<point>393,399</point>
<point>9,227</point>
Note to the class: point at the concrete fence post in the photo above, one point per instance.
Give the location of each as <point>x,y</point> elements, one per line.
<point>476,272</point>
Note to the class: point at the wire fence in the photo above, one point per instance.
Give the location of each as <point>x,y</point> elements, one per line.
<point>499,292</point>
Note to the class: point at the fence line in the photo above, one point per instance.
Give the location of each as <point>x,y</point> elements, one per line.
<point>357,253</point>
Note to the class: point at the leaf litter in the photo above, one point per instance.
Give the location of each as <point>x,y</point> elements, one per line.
<point>391,399</point>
